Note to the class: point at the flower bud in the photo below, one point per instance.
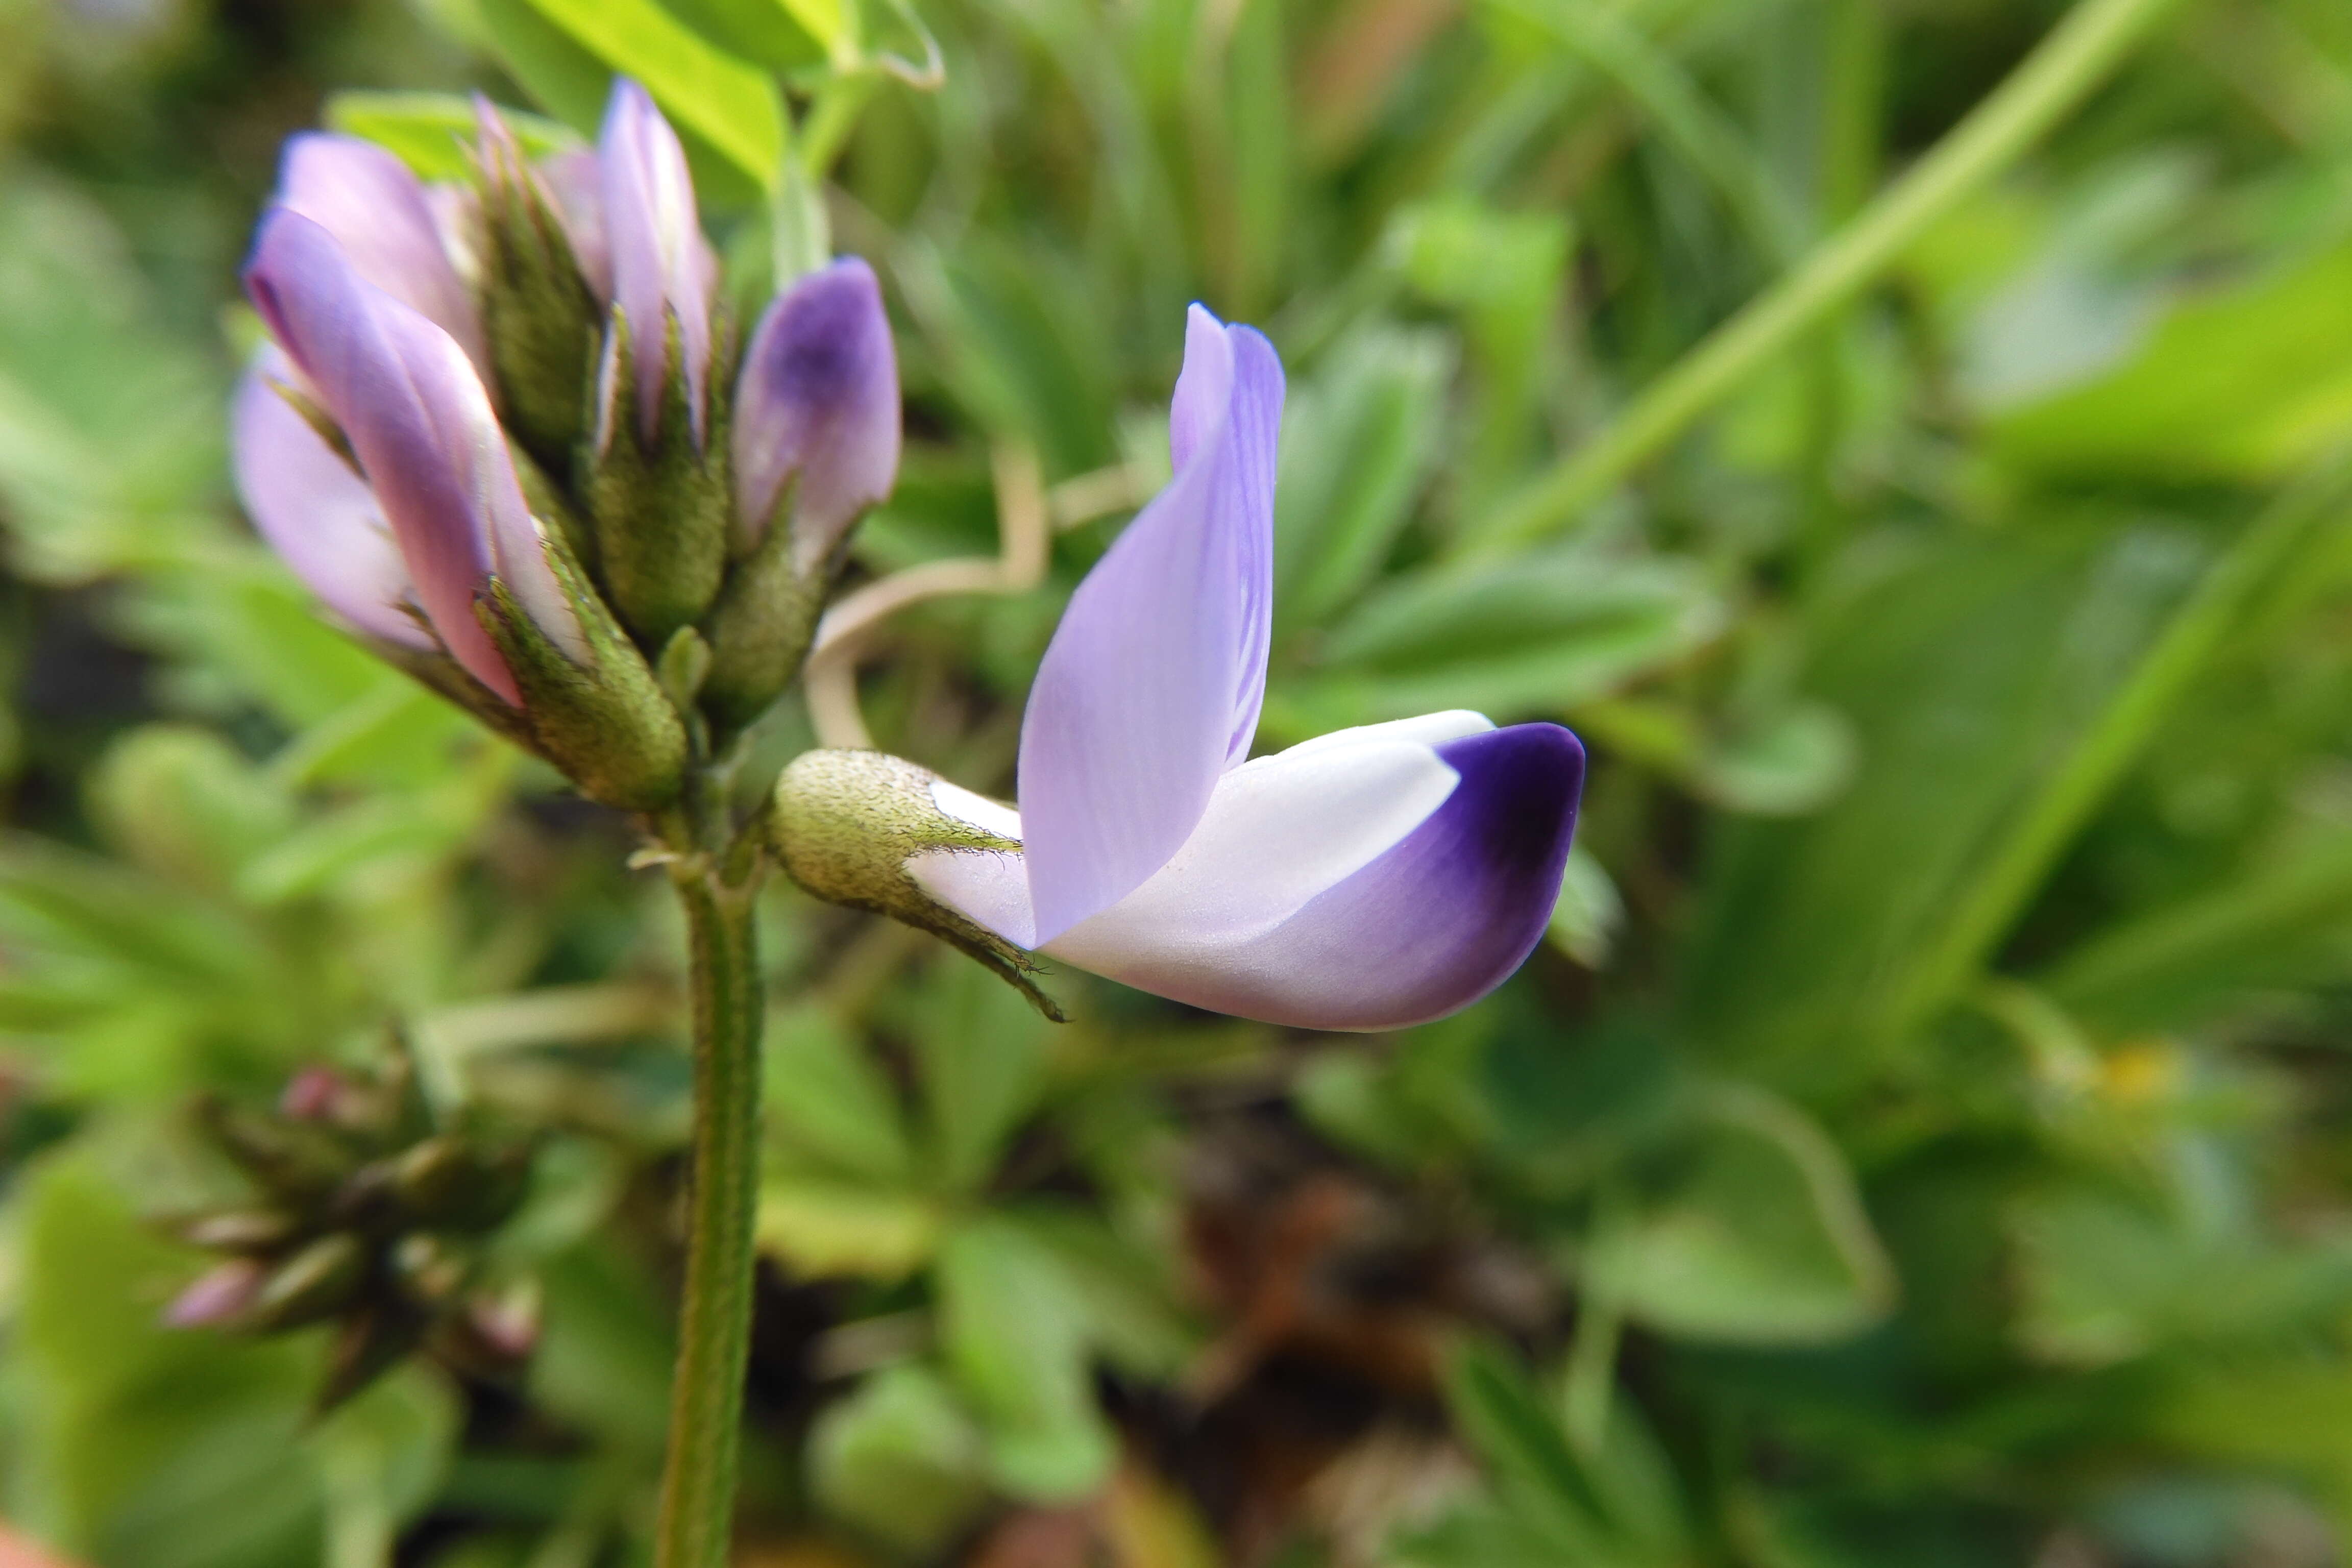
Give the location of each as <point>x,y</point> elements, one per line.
<point>372,1211</point>
<point>426,441</point>
<point>600,716</point>
<point>662,275</point>
<point>381,215</point>
<point>316,1282</point>
<point>295,1162</point>
<point>657,504</point>
<point>844,825</point>
<point>817,407</point>
<point>816,435</point>
<point>239,1230</point>
<point>541,311</point>
<point>454,1182</point>
<point>221,1294</point>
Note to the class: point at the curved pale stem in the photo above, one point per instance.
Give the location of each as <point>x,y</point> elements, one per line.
<point>1028,517</point>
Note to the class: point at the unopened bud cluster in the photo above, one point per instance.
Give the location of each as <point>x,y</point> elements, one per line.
<point>371,1212</point>
<point>507,430</point>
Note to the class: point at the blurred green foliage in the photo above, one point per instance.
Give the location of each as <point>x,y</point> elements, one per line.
<point>1926,1139</point>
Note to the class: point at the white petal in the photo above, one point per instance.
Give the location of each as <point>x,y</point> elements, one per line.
<point>1278,831</point>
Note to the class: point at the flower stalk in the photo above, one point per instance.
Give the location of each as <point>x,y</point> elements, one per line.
<point>714,1326</point>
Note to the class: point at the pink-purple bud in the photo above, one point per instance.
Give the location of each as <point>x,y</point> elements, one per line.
<point>662,267</point>
<point>427,442</point>
<point>314,511</point>
<point>817,405</point>
<point>385,221</point>
<point>217,1295</point>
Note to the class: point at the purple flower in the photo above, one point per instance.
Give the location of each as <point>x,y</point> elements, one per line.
<point>661,267</point>
<point>320,516</point>
<point>1367,879</point>
<point>817,403</point>
<point>428,447</point>
<point>386,223</point>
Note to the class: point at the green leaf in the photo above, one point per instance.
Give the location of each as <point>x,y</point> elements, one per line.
<point>2278,922</point>
<point>605,1347</point>
<point>824,1229</point>
<point>1132,1316</point>
<point>729,107</point>
<point>828,1105</point>
<point>983,1049</point>
<point>1359,439</point>
<point>1756,1237</point>
<point>110,427</point>
<point>1012,349</point>
<point>768,33</point>
<point>1519,1436</point>
<point>1014,1328</point>
<point>1587,915</point>
<point>1536,635</point>
<point>1965,666</point>
<point>381,1459</point>
<point>327,849</point>
<point>1789,762</point>
<point>431,132</point>
<point>900,1460</point>
<point>154,1447</point>
<point>2249,383</point>
<point>183,803</point>
<point>1618,1507</point>
<point>2101,1279</point>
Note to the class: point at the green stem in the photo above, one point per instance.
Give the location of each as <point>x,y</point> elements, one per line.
<point>1988,906</point>
<point>2073,59</point>
<point>714,1326</point>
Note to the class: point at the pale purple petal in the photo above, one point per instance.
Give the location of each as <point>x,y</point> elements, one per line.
<point>818,404</point>
<point>382,217</point>
<point>1371,879</point>
<point>661,264</point>
<point>1150,688</point>
<point>421,423</point>
<point>317,515</point>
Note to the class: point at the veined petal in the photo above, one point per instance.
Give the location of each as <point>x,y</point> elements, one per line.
<point>660,264</point>
<point>1367,880</point>
<point>1150,688</point>
<point>318,515</point>
<point>422,426</point>
<point>818,403</point>
<point>382,217</point>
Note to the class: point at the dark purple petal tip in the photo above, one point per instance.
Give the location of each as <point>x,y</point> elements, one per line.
<point>1453,912</point>
<point>1510,820</point>
<point>819,397</point>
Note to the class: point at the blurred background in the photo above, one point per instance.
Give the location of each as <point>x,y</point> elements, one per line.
<point>1925,1138</point>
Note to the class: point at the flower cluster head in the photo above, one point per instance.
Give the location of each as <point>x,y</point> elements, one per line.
<point>503,430</point>
<point>372,1209</point>
<point>507,432</point>
<point>1367,879</point>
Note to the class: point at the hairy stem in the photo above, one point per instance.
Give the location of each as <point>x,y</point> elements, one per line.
<point>697,1494</point>
<point>2074,59</point>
